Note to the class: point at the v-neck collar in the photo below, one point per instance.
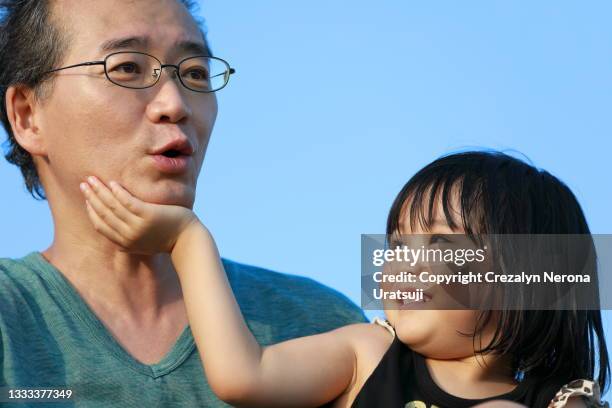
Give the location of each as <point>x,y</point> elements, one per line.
<point>68,294</point>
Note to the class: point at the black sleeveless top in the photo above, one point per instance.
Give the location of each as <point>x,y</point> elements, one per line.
<point>402,380</point>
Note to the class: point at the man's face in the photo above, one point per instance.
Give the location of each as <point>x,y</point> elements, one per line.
<point>93,127</point>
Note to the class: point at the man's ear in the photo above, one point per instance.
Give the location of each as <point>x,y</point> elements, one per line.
<point>21,111</point>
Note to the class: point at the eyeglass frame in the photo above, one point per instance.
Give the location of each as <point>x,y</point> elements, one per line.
<point>230,70</point>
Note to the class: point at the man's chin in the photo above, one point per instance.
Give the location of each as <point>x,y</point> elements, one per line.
<point>183,196</point>
<point>186,202</point>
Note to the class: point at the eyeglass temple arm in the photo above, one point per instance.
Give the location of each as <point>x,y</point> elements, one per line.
<point>78,65</point>
<point>231,71</point>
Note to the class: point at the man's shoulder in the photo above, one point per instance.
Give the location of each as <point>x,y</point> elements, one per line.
<point>249,275</point>
<point>245,278</point>
<point>7,265</point>
<point>16,271</point>
<point>21,285</point>
<point>24,295</point>
<point>296,299</point>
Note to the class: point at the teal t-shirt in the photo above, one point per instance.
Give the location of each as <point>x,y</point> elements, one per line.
<point>49,337</point>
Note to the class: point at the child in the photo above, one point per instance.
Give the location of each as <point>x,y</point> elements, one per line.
<point>418,358</point>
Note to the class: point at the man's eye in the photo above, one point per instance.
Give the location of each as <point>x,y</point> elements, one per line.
<point>127,68</point>
<point>196,74</point>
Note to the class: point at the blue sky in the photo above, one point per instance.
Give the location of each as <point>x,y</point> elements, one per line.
<point>335,104</point>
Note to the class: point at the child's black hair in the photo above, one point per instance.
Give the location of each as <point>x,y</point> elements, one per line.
<point>499,194</point>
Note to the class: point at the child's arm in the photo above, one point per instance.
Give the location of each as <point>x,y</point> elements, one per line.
<point>308,371</point>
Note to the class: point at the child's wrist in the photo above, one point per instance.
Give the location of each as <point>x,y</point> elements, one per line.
<point>193,235</point>
<point>188,230</point>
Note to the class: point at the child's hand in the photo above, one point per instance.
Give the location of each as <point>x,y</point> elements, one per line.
<point>133,224</point>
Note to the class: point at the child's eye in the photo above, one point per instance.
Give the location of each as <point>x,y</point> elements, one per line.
<point>438,239</point>
<point>395,244</point>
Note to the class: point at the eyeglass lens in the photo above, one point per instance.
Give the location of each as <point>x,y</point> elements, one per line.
<point>135,70</point>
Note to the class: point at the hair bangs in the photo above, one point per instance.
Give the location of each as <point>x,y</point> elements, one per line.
<point>443,192</point>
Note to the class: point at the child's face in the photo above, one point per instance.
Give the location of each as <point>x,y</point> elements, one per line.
<point>437,333</point>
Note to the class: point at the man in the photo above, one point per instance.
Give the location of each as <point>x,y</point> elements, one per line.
<point>83,315</point>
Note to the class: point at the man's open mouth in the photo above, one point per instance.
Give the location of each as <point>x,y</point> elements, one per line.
<point>180,146</point>
<point>172,153</point>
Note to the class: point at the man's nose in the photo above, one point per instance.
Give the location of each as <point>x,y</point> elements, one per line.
<point>170,102</point>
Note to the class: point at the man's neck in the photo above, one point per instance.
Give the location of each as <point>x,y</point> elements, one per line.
<point>137,298</point>
<point>137,287</point>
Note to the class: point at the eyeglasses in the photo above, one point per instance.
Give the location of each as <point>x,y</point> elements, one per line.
<point>137,70</point>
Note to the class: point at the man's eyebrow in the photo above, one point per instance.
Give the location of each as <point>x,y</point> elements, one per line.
<point>125,42</point>
<point>185,46</point>
<point>192,47</point>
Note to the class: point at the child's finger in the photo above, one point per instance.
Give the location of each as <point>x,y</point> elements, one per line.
<point>103,212</point>
<point>108,198</point>
<point>130,202</point>
<point>103,228</point>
